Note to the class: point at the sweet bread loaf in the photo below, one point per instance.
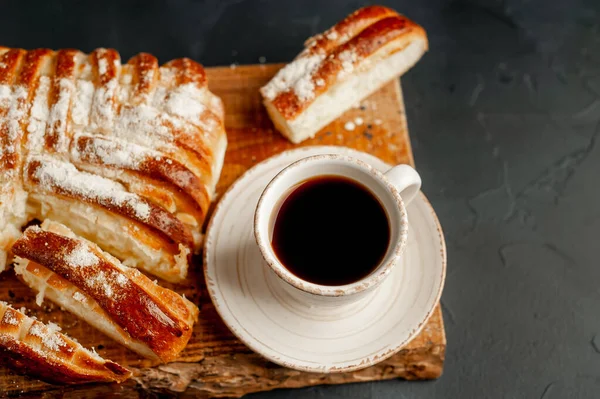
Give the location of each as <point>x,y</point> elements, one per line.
<point>40,350</point>
<point>127,155</point>
<point>340,67</point>
<point>118,300</point>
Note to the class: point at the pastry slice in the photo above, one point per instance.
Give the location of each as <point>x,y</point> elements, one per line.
<point>128,225</point>
<point>40,351</point>
<point>340,67</point>
<point>119,301</point>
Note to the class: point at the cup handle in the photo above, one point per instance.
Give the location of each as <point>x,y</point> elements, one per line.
<point>406,180</point>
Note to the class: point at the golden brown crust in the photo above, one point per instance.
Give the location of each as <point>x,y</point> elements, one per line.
<point>31,66</point>
<point>110,60</point>
<point>60,91</point>
<point>10,129</point>
<point>347,28</point>
<point>350,44</point>
<point>50,101</point>
<point>127,154</point>
<point>50,355</point>
<point>105,66</point>
<point>9,63</point>
<point>145,77</point>
<point>98,150</point>
<point>152,216</point>
<point>187,71</point>
<point>208,124</point>
<point>157,317</point>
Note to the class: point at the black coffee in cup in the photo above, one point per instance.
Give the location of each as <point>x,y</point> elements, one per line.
<point>330,230</point>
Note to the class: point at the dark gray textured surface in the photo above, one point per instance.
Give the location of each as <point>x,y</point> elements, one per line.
<point>504,116</point>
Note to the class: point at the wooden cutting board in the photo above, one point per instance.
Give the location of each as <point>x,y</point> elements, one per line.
<point>215,363</point>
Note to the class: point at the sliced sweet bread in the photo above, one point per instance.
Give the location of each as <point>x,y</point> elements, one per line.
<point>340,67</point>
<point>118,300</point>
<point>41,351</point>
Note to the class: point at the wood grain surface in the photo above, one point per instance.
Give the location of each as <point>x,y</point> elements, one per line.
<point>215,363</point>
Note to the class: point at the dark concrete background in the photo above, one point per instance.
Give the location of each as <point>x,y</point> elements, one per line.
<point>504,116</point>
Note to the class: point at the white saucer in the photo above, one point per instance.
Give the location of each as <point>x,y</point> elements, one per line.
<point>292,334</point>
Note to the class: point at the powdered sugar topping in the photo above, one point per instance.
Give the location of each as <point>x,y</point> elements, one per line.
<point>83,102</point>
<point>110,152</point>
<point>296,75</point>
<point>79,297</point>
<point>305,88</point>
<point>59,113</point>
<point>185,101</point>
<point>108,282</point>
<point>5,95</point>
<point>141,125</point>
<point>9,318</point>
<point>347,58</point>
<point>102,66</point>
<point>126,79</point>
<point>167,75</point>
<point>81,256</point>
<point>332,35</point>
<point>121,279</point>
<point>103,112</point>
<point>38,116</point>
<point>54,174</point>
<point>50,339</point>
<point>100,281</point>
<point>15,101</point>
<point>53,327</point>
<point>148,76</point>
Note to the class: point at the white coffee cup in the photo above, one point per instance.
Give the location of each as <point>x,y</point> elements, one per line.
<point>394,189</point>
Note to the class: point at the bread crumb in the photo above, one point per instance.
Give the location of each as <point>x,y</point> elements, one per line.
<point>358,121</point>
<point>39,298</point>
<point>349,126</point>
<point>233,66</point>
<point>262,59</point>
<point>378,122</point>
